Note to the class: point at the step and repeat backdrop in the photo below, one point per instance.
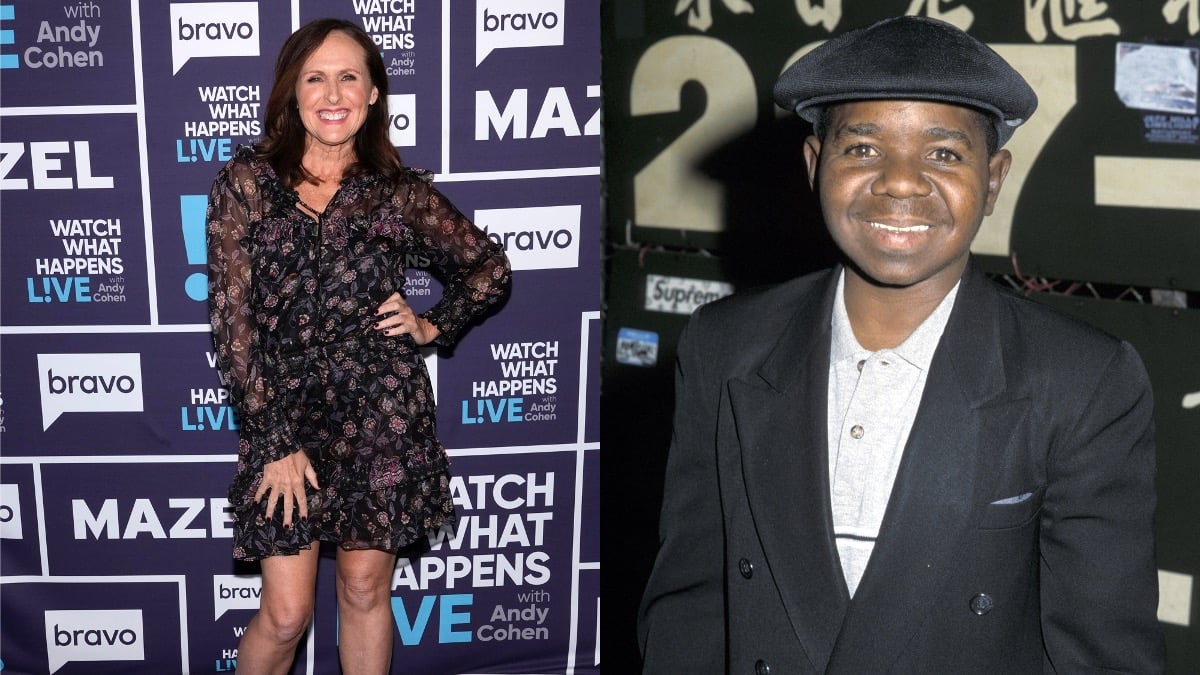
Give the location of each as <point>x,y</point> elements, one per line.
<point>117,442</point>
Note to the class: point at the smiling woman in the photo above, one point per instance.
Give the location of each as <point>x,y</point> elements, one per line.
<point>333,94</point>
<point>308,236</point>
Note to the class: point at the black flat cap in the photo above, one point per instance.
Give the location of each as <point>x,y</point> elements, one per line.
<point>908,57</point>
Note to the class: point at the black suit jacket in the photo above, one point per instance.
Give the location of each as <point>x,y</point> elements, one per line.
<point>1018,537</point>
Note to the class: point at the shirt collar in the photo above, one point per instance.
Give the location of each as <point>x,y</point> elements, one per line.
<point>916,349</point>
<point>843,345</point>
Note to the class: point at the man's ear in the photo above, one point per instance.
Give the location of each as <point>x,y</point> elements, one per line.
<point>998,166</point>
<point>812,156</point>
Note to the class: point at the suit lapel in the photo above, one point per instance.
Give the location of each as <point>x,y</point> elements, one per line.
<point>781,433</point>
<point>934,493</point>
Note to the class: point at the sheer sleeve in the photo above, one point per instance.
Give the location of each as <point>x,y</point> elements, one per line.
<point>474,270</point>
<point>233,205</point>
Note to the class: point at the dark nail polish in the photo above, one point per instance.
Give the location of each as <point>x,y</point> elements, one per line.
<point>287,526</point>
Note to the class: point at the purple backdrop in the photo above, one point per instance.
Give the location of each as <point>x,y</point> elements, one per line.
<point>116,443</point>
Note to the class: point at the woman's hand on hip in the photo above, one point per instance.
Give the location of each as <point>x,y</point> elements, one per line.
<point>397,318</point>
<point>284,479</point>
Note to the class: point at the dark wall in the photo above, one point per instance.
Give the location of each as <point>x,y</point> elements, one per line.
<point>705,183</point>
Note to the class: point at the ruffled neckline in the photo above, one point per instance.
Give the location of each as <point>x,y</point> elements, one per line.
<point>282,193</point>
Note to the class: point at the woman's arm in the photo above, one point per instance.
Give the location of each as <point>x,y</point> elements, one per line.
<point>474,269</point>
<point>233,205</point>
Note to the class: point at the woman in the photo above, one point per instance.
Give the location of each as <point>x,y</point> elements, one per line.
<point>307,235</point>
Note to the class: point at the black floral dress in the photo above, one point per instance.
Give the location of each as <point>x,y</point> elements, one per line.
<point>292,304</point>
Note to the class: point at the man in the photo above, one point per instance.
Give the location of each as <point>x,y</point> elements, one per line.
<point>893,466</point>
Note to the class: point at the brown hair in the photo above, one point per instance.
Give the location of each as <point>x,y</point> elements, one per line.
<point>283,144</point>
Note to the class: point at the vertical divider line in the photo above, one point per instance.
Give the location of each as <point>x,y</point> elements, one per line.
<point>139,88</point>
<point>40,507</point>
<point>184,666</point>
<point>445,168</point>
<point>580,455</point>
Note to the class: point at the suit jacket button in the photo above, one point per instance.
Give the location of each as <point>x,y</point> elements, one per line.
<point>982,604</point>
<point>762,667</point>
<point>746,568</point>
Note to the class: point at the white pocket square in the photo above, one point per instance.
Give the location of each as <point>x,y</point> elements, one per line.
<point>1014,500</point>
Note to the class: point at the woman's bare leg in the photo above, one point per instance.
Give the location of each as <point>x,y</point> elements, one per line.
<point>365,625</point>
<point>269,644</point>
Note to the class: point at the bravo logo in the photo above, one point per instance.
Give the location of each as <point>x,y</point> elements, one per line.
<point>94,635</point>
<point>535,238</point>
<point>504,24</point>
<point>209,29</point>
<point>402,119</point>
<point>89,383</point>
<point>235,592</point>
<point>10,511</point>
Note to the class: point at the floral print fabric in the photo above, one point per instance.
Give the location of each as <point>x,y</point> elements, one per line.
<point>292,307</point>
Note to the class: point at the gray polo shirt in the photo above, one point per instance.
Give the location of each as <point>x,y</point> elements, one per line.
<point>873,400</point>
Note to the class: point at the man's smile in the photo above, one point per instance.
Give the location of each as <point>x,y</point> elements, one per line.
<point>902,229</point>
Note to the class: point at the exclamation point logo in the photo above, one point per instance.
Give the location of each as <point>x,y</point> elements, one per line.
<point>7,38</point>
<point>193,211</point>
